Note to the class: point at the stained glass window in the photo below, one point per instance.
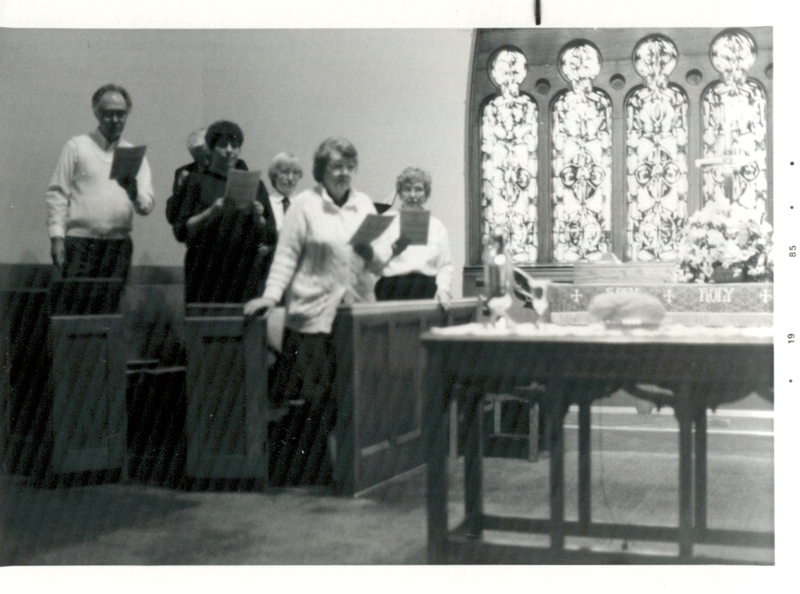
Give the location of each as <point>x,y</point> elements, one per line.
<point>735,126</point>
<point>590,145</point>
<point>509,166</point>
<point>581,128</point>
<point>656,151</point>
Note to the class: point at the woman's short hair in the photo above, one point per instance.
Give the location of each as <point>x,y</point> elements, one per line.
<point>280,161</point>
<point>412,175</point>
<point>325,151</point>
<point>98,95</point>
<point>222,131</point>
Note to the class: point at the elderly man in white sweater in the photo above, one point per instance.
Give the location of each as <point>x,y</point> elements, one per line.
<point>89,214</point>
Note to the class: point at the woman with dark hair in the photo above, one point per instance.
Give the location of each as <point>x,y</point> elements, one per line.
<point>227,246</point>
<point>318,269</point>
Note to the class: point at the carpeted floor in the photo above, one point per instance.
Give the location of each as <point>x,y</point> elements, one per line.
<point>135,524</point>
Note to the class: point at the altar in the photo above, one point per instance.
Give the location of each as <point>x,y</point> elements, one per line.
<point>700,367</point>
<point>695,304</point>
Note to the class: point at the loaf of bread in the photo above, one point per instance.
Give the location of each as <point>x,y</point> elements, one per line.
<point>627,310</point>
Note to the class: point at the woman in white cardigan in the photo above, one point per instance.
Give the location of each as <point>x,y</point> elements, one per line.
<point>318,269</point>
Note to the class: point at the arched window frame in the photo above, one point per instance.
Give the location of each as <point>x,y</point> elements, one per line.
<point>531,177</point>
<point>617,78</point>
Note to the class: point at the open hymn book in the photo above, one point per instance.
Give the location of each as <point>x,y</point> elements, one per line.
<point>127,161</point>
<point>414,226</point>
<point>370,229</point>
<point>242,187</point>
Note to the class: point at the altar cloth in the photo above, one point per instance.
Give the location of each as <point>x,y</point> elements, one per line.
<point>597,331</point>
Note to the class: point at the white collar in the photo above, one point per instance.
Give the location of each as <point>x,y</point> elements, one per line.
<point>102,141</point>
<point>326,196</point>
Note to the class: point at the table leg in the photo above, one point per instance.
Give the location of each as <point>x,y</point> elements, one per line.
<point>683,412</point>
<point>454,429</point>
<point>533,432</point>
<point>557,409</point>
<point>437,398</point>
<point>700,468</point>
<point>584,465</point>
<point>473,461</point>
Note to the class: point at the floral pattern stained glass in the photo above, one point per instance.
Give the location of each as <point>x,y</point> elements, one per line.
<point>581,128</point>
<point>656,151</point>
<point>735,127</point>
<point>509,139</point>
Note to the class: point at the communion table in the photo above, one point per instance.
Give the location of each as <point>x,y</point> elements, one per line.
<point>702,367</point>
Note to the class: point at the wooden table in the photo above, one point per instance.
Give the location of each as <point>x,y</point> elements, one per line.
<point>702,367</point>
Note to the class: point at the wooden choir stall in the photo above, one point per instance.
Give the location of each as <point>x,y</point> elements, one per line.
<point>226,394</point>
<point>378,433</point>
<point>77,418</point>
<point>87,422</point>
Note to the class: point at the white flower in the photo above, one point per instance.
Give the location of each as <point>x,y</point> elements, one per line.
<point>725,235</point>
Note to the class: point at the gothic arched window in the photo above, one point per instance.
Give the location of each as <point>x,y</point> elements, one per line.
<point>581,127</point>
<point>598,144</point>
<point>509,165</point>
<point>656,143</point>
<point>735,126</point>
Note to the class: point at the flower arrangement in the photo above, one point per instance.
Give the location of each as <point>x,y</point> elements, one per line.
<point>725,237</point>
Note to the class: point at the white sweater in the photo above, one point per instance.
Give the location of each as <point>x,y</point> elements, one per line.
<point>431,259</point>
<point>315,264</point>
<point>82,200</point>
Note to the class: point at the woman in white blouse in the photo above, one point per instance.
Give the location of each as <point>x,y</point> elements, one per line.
<point>418,271</point>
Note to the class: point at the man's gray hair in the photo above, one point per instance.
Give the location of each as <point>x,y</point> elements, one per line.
<point>98,95</point>
<point>196,138</point>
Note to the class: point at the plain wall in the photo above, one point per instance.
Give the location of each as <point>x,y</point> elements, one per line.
<point>398,95</point>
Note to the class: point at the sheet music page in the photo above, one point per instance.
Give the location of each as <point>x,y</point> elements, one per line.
<point>414,226</point>
<point>127,161</point>
<point>242,186</point>
<point>371,228</point>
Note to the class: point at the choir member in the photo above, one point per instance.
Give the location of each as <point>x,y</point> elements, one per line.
<point>318,269</point>
<point>90,214</point>
<point>226,243</point>
<point>419,271</point>
<point>284,174</point>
